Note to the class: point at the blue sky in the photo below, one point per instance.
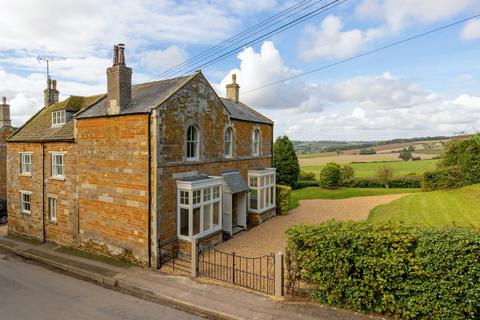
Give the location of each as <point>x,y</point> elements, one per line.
<point>429,86</point>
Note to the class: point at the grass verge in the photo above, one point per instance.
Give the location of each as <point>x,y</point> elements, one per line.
<point>94,257</point>
<point>460,207</point>
<point>341,193</point>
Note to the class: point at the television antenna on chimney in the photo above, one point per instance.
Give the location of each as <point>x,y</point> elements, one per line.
<point>47,60</point>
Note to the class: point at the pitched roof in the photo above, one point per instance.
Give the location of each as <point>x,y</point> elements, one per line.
<point>145,96</point>
<point>39,127</point>
<point>241,111</point>
<point>235,181</point>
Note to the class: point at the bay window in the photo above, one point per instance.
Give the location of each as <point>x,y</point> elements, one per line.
<point>262,190</point>
<point>199,206</point>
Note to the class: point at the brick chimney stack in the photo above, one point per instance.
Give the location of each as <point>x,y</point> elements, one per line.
<point>50,95</point>
<point>233,89</point>
<point>5,114</point>
<point>119,82</point>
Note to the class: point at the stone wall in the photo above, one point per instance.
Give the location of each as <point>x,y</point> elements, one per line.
<point>4,134</point>
<point>64,230</point>
<point>113,185</point>
<point>197,104</point>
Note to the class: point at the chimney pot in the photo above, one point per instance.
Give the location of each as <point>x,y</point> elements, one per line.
<point>233,89</point>
<point>5,114</point>
<point>119,82</point>
<point>50,95</point>
<point>4,100</point>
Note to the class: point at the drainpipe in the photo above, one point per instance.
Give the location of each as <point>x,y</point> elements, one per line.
<point>43,194</point>
<point>149,193</point>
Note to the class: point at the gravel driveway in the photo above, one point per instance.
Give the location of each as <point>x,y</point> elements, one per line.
<point>269,236</point>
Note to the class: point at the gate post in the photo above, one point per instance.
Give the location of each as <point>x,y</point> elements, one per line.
<point>279,275</point>
<point>194,257</point>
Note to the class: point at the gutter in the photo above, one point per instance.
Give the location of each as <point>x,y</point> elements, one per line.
<point>149,247</point>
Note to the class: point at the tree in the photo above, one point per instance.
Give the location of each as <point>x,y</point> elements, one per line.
<point>464,154</point>
<point>331,176</point>
<point>286,161</point>
<point>385,174</point>
<point>411,148</point>
<point>405,155</point>
<point>347,172</point>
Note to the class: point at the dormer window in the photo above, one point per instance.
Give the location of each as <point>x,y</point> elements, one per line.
<point>59,118</point>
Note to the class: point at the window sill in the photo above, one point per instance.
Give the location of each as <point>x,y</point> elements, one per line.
<point>29,175</point>
<point>200,235</point>
<point>52,222</point>
<point>58,178</point>
<point>25,213</point>
<point>260,211</point>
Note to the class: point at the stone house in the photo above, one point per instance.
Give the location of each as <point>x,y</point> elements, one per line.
<point>6,130</point>
<point>125,171</point>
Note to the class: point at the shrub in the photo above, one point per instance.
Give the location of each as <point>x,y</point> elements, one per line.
<point>367,151</point>
<point>286,161</point>
<point>307,184</point>
<point>405,155</point>
<point>331,176</point>
<point>347,172</point>
<point>393,269</point>
<point>283,199</point>
<point>464,154</point>
<point>385,174</point>
<point>416,158</point>
<point>443,178</point>
<point>306,176</point>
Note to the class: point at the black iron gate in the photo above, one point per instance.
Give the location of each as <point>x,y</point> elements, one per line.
<point>172,257</point>
<point>253,273</point>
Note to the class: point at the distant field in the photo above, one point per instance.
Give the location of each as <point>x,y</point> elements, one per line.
<point>317,155</point>
<point>347,158</point>
<point>366,170</point>
<point>459,207</point>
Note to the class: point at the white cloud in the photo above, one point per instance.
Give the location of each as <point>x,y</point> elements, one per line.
<point>471,30</point>
<point>329,40</point>
<point>160,60</point>
<point>260,68</point>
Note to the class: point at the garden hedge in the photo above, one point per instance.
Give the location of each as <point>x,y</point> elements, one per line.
<point>400,182</point>
<point>283,199</point>
<point>307,184</point>
<point>443,178</point>
<point>392,269</point>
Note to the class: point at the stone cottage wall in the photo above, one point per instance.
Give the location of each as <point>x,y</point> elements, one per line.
<point>4,134</point>
<point>113,185</point>
<point>64,230</point>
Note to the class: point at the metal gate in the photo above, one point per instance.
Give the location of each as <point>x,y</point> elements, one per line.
<point>173,258</point>
<point>253,273</point>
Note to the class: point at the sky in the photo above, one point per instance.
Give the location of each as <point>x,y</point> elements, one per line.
<point>426,87</point>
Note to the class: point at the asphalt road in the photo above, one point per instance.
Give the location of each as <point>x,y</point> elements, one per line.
<point>31,292</point>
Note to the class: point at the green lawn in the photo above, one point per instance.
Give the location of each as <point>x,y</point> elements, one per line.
<point>460,207</point>
<point>369,169</point>
<point>342,193</point>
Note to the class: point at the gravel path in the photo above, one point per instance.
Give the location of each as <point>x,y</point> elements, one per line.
<point>269,236</point>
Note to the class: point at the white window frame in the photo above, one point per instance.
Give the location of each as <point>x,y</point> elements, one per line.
<point>55,166</point>
<point>23,202</point>
<point>228,143</point>
<point>267,188</point>
<point>256,143</point>
<point>195,141</point>
<point>26,167</point>
<point>52,209</point>
<point>214,185</point>
<point>59,118</point>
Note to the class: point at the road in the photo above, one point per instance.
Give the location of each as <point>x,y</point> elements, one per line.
<point>31,292</point>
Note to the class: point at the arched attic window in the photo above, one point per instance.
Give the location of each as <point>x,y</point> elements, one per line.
<point>193,143</point>
<point>228,143</point>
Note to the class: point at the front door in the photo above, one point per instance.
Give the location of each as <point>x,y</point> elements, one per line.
<point>234,210</point>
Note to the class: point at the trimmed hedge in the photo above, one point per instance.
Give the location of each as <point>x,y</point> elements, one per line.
<point>400,182</point>
<point>392,269</point>
<point>307,184</point>
<point>443,178</point>
<point>283,199</point>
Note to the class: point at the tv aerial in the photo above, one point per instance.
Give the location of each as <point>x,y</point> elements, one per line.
<point>47,60</point>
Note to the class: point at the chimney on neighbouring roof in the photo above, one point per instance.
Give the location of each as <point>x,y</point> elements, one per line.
<point>5,114</point>
<point>119,82</point>
<point>50,95</point>
<point>233,89</point>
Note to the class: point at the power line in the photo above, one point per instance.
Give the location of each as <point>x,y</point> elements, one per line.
<point>364,54</point>
<point>234,37</point>
<point>241,37</point>
<point>287,26</point>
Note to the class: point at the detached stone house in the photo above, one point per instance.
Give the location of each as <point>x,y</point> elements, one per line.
<point>122,172</point>
<point>6,130</point>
